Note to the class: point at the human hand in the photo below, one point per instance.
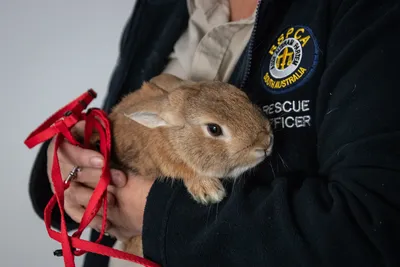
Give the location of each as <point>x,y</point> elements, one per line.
<point>126,198</point>
<point>126,215</point>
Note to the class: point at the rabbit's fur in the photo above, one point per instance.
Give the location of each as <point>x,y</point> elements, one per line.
<point>161,131</point>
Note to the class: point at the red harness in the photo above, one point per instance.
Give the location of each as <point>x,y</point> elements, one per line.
<point>60,124</point>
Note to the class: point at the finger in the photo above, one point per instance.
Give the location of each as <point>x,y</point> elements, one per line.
<point>112,210</point>
<point>118,178</point>
<point>85,176</point>
<point>90,177</point>
<point>76,214</point>
<point>76,199</point>
<point>78,156</point>
<point>78,196</point>
<point>97,223</point>
<point>110,229</point>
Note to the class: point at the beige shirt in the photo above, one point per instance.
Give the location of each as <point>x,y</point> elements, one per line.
<point>207,50</point>
<point>211,45</point>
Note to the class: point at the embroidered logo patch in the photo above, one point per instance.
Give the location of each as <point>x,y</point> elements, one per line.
<point>290,61</point>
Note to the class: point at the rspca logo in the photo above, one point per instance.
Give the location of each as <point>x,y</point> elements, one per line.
<point>290,61</point>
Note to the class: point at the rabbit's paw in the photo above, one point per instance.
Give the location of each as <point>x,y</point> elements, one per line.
<point>206,190</point>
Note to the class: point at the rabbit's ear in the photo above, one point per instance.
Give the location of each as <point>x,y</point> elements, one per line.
<point>157,112</point>
<point>147,118</point>
<point>167,82</point>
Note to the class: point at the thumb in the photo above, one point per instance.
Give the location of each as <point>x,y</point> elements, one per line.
<point>78,156</point>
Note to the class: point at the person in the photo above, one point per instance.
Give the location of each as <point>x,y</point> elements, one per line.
<point>326,75</point>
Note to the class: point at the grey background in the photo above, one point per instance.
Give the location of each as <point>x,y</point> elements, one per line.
<point>51,51</point>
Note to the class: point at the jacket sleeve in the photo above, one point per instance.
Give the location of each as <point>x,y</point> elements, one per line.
<point>346,215</point>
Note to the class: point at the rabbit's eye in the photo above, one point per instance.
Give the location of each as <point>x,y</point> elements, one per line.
<point>214,129</point>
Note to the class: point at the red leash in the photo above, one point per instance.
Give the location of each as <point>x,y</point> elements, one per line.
<point>60,124</point>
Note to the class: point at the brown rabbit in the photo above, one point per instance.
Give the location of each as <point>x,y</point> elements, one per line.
<point>199,132</point>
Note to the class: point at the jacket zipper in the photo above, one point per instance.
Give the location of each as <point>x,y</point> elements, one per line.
<point>250,49</point>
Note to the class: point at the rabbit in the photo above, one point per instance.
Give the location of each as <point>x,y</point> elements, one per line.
<point>198,132</point>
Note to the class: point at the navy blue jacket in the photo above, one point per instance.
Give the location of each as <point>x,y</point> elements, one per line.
<point>326,74</point>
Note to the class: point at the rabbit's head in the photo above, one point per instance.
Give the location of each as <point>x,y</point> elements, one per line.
<point>212,126</point>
